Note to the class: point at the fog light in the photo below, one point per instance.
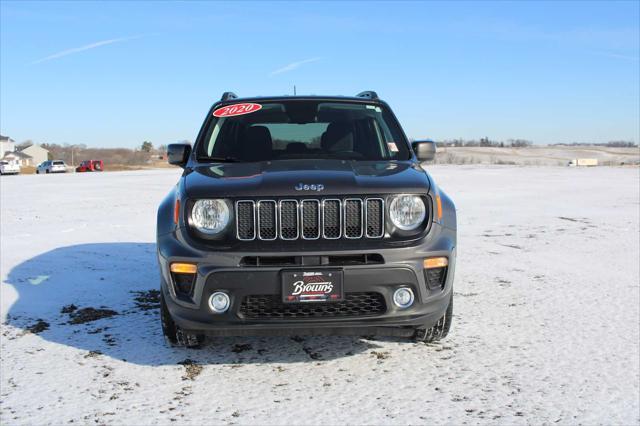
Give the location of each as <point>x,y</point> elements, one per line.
<point>219,302</point>
<point>403,297</point>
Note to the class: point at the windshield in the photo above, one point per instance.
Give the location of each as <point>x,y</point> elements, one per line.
<point>299,129</point>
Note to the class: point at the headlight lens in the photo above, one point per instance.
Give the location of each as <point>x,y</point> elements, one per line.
<point>407,212</point>
<point>210,216</point>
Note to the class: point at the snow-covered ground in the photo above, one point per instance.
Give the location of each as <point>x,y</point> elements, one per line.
<point>545,329</point>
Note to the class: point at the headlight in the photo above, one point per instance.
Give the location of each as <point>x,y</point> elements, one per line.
<point>210,216</point>
<point>407,212</point>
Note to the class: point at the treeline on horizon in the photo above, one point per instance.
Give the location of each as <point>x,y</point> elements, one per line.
<point>74,154</point>
<point>524,143</point>
<point>147,153</point>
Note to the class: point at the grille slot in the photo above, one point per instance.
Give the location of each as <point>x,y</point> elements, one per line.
<point>353,218</point>
<point>310,219</point>
<point>332,219</point>
<point>374,212</point>
<point>271,307</point>
<point>289,219</point>
<point>267,220</point>
<point>245,220</point>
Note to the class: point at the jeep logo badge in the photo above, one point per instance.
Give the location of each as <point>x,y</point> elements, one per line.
<point>313,187</point>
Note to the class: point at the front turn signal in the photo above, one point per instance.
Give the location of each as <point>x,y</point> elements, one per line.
<point>435,262</point>
<point>176,212</point>
<point>439,207</point>
<point>183,268</point>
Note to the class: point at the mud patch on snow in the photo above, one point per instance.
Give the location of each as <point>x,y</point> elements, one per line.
<point>192,370</point>
<point>380,355</point>
<point>241,347</point>
<point>68,309</point>
<point>38,327</point>
<point>147,300</point>
<point>312,354</point>
<point>85,315</point>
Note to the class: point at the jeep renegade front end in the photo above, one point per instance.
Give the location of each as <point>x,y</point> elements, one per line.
<point>305,215</point>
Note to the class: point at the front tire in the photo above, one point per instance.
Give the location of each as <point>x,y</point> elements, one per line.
<point>439,330</point>
<point>174,334</point>
<point>169,328</point>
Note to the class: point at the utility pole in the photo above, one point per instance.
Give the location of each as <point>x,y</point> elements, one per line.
<point>294,90</point>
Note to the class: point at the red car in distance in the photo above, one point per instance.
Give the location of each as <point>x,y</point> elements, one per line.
<point>90,166</point>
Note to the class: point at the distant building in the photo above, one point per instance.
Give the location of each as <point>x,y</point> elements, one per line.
<point>20,158</point>
<point>37,153</point>
<point>6,145</point>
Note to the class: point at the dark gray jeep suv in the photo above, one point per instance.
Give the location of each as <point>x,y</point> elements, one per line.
<point>305,215</point>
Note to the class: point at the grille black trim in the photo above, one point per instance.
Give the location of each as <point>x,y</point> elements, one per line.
<point>289,219</point>
<point>374,217</point>
<point>353,218</point>
<point>310,219</point>
<point>332,226</point>
<point>436,277</point>
<point>267,213</point>
<point>246,220</point>
<point>271,307</point>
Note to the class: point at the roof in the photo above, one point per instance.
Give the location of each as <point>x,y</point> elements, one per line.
<point>367,97</point>
<point>6,139</point>
<point>17,154</point>
<point>34,146</point>
<point>303,98</point>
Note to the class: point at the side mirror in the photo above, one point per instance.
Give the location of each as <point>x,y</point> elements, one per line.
<point>178,153</point>
<point>425,150</point>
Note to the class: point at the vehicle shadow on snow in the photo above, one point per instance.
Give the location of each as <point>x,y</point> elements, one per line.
<point>103,298</point>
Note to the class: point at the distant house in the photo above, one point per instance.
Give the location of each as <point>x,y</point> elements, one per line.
<point>19,157</point>
<point>6,145</point>
<point>37,153</point>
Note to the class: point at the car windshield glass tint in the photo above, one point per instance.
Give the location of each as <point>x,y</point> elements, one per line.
<point>305,130</point>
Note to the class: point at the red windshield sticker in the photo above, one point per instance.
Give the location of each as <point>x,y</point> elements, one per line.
<point>236,109</point>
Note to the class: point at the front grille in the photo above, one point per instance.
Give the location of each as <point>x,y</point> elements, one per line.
<point>310,219</point>
<point>272,307</point>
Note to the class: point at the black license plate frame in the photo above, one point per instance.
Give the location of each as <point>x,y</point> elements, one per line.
<point>312,286</point>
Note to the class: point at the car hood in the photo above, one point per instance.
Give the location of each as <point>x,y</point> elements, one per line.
<point>280,178</point>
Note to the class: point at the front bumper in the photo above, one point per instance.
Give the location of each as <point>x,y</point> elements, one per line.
<point>403,266</point>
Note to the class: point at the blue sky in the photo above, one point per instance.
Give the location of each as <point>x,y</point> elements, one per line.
<point>115,74</point>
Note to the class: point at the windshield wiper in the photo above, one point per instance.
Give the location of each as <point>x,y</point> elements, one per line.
<point>220,159</point>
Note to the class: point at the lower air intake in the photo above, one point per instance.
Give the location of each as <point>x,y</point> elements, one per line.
<point>271,307</point>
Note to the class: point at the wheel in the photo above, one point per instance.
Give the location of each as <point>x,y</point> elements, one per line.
<point>438,331</point>
<point>37,171</point>
<point>168,326</point>
<point>174,334</point>
<point>47,171</point>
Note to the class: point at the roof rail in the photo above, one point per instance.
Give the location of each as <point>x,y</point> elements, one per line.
<point>369,94</point>
<point>227,96</point>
